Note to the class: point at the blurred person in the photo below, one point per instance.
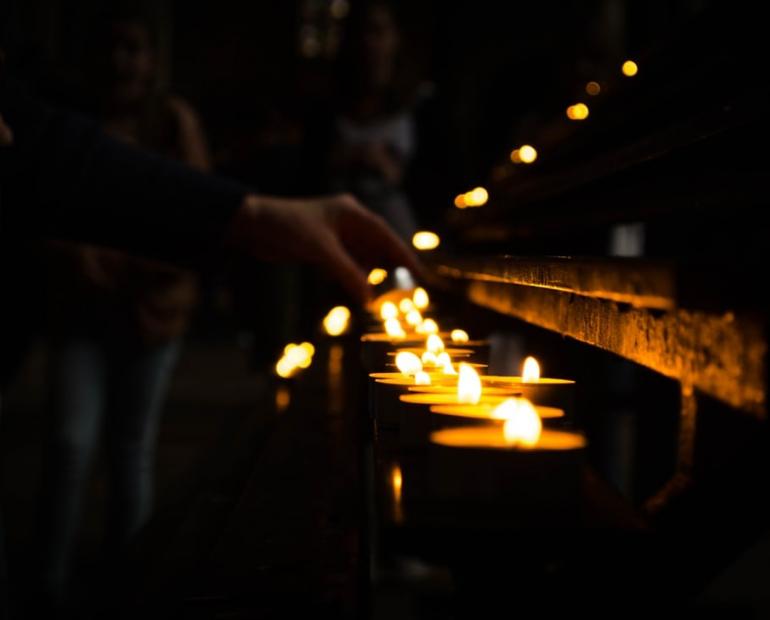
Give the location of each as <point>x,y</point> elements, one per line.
<point>116,320</point>
<point>369,138</point>
<point>62,177</point>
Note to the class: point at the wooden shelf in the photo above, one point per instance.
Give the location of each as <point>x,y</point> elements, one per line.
<point>627,307</point>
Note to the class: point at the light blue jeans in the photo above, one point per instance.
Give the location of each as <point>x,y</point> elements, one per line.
<point>100,383</point>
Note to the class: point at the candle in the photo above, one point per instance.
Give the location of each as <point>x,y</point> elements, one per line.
<point>540,390</point>
<point>415,423</point>
<point>516,473</point>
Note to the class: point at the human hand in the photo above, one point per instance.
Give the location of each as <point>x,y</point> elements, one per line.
<point>334,232</point>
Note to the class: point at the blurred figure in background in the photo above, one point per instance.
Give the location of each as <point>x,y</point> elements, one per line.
<point>117,320</point>
<point>369,137</point>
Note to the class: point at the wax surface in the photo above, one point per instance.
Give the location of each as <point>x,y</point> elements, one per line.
<point>452,389</point>
<point>484,410</point>
<point>448,398</point>
<point>503,380</point>
<point>491,437</point>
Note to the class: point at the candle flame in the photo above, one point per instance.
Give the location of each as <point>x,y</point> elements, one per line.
<point>336,321</point>
<point>425,240</point>
<point>530,373</point>
<point>429,359</point>
<point>405,305</point>
<point>393,328</point>
<point>428,326</point>
<point>577,112</point>
<point>294,358</point>
<point>388,310</point>
<point>434,344</point>
<point>459,336</point>
<point>477,197</point>
<point>422,378</point>
<point>408,363</point>
<point>527,154</point>
<point>377,276</point>
<point>460,201</point>
<point>630,68</point>
<point>420,298</point>
<point>522,423</point>
<point>413,317</point>
<point>448,369</point>
<point>468,385</point>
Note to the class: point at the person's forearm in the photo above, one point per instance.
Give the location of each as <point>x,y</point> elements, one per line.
<point>66,179</point>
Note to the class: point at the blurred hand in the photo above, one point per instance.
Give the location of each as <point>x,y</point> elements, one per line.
<point>334,232</point>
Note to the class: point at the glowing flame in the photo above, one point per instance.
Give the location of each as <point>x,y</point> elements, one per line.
<point>405,305</point>
<point>377,276</point>
<point>459,336</point>
<point>477,197</point>
<point>408,363</point>
<point>393,329</point>
<point>578,112</point>
<point>630,68</point>
<point>429,359</point>
<point>413,317</point>
<point>388,310</point>
<point>420,298</point>
<point>468,385</point>
<point>422,378</point>
<point>336,321</point>
<point>522,423</point>
<point>425,240</point>
<point>516,156</point>
<point>527,154</point>
<point>443,359</point>
<point>294,358</point>
<point>448,369</point>
<point>460,201</point>
<point>434,344</point>
<point>531,370</point>
<point>428,326</point>
<point>593,88</point>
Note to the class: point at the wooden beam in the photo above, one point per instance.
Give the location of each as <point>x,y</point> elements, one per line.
<point>720,354</point>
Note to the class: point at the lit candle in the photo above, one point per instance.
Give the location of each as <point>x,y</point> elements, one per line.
<point>416,420</point>
<point>516,472</point>
<point>540,390</point>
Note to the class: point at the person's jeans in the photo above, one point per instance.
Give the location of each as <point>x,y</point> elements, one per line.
<point>100,383</point>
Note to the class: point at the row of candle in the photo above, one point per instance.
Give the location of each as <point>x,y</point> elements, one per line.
<point>458,434</point>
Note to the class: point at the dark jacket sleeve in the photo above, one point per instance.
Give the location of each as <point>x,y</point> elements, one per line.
<point>64,178</point>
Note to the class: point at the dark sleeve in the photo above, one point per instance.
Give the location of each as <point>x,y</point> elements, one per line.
<point>64,178</point>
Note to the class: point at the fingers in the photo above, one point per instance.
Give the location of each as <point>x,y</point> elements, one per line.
<point>336,260</point>
<point>374,238</point>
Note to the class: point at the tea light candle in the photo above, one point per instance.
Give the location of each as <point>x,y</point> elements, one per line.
<point>517,472</point>
<point>540,390</point>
